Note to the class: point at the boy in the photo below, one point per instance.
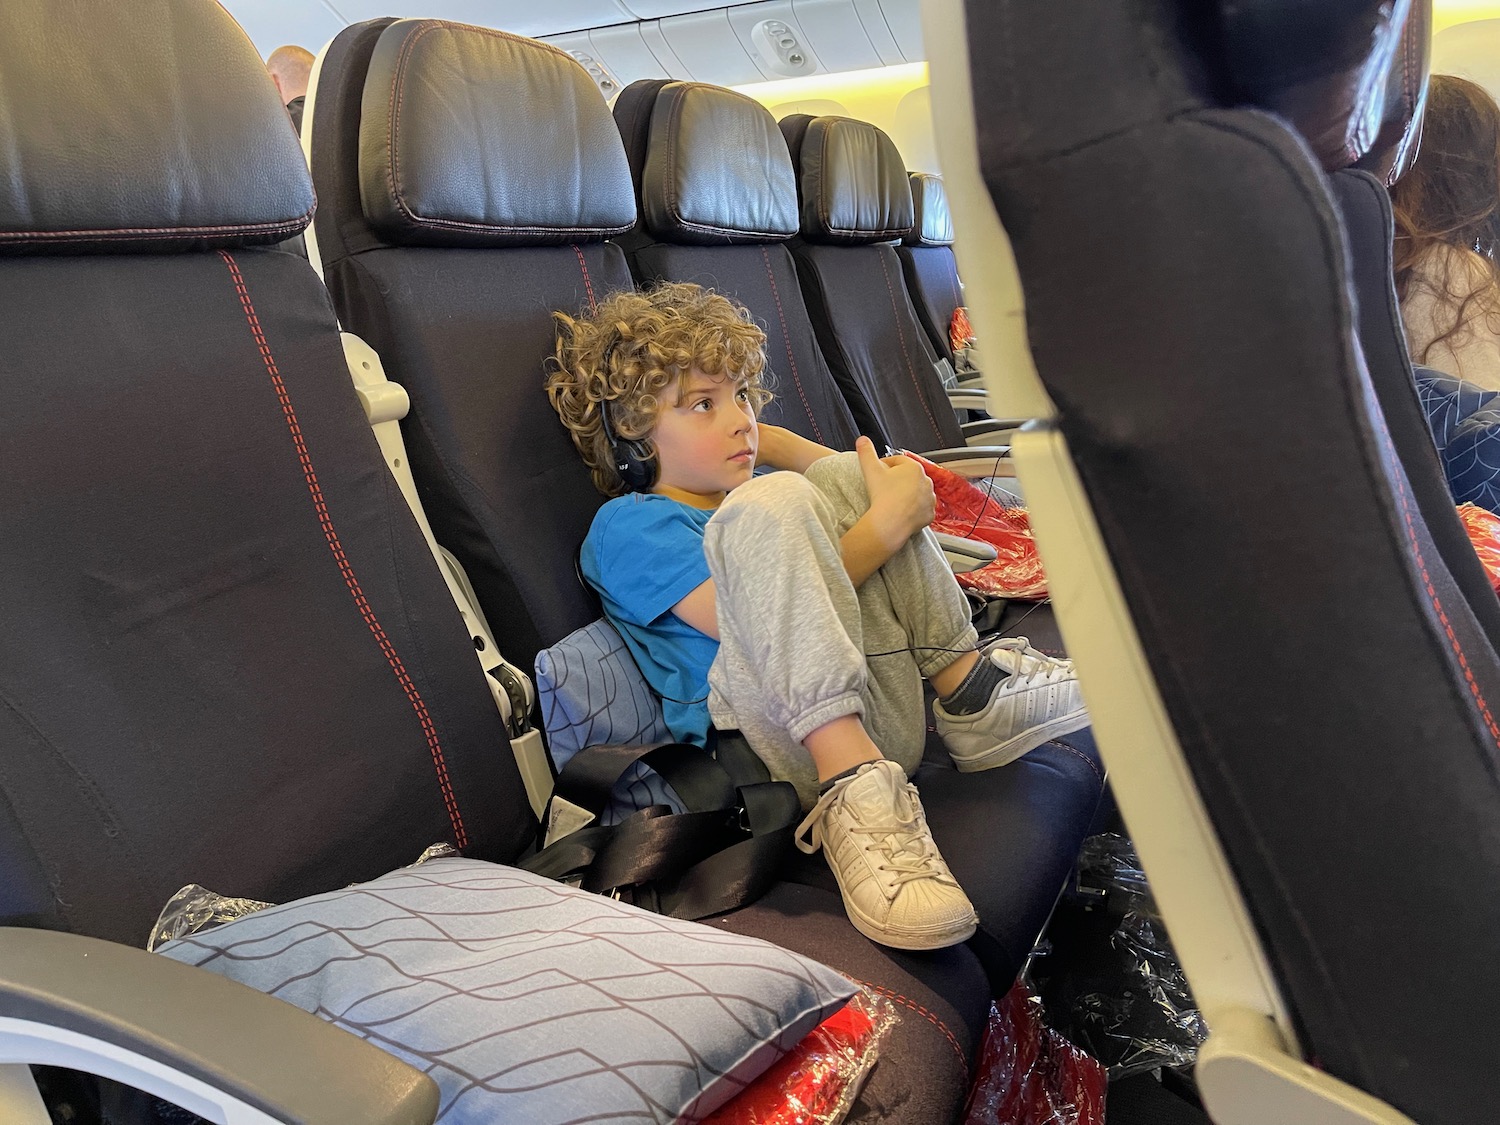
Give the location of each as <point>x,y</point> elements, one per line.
<point>802,607</point>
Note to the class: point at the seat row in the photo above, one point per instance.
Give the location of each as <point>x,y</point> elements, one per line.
<point>233,656</point>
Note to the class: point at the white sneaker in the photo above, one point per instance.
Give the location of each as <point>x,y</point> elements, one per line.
<point>1037,702</point>
<point>897,889</point>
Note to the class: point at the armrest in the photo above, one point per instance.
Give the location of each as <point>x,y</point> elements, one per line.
<point>990,431</point>
<point>975,461</point>
<point>964,555</point>
<point>217,1048</point>
<point>968,398</point>
<point>992,426</point>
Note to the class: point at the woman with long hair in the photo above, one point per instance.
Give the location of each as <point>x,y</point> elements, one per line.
<point>1447,251</point>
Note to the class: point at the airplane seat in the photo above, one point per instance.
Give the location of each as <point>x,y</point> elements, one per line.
<point>717,198</point>
<point>1365,210</point>
<point>182,464</point>
<point>407,233</point>
<point>1295,697</point>
<point>228,657</point>
<point>705,145</point>
<point>1359,192</point>
<point>854,201</point>
<point>927,259</point>
<point>454,279</point>
<point>718,201</point>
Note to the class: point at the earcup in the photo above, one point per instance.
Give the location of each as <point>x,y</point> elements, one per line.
<point>636,465</point>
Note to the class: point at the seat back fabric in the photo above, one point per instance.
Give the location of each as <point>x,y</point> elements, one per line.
<point>228,657</point>
<point>1344,781</point>
<point>462,317</point>
<point>927,260</point>
<point>855,198</point>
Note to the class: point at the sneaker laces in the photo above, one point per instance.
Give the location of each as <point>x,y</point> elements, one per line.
<point>906,848</point>
<point>1029,662</point>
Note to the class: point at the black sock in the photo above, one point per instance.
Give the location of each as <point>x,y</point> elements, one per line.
<point>974,693</point>
<point>825,786</point>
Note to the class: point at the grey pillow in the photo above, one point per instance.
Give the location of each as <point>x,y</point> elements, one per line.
<point>527,1000</point>
<point>592,694</point>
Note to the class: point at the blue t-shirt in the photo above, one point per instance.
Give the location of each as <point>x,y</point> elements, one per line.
<point>644,554</point>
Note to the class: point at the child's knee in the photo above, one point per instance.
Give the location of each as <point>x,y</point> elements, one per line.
<point>841,479</point>
<point>768,494</point>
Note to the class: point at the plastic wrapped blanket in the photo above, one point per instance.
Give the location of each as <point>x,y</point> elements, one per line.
<point>817,1083</point>
<point>1029,1074</point>
<point>1126,1002</point>
<point>960,332</point>
<point>990,514</point>
<point>1483,527</point>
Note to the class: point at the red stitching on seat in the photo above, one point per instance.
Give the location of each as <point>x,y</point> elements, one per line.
<point>587,285</point>
<point>325,520</point>
<point>914,1006</point>
<point>900,335</point>
<point>1432,594</point>
<point>786,339</point>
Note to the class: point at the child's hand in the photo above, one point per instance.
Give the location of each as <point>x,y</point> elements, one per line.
<point>902,501</point>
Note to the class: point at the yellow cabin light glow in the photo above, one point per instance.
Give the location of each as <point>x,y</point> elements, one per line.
<point>1446,13</point>
<point>896,98</point>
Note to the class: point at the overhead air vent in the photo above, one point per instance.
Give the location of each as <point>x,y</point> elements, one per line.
<point>776,48</point>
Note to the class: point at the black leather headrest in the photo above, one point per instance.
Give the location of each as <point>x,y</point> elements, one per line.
<point>475,137</point>
<point>632,112</point>
<point>1405,100</point>
<point>717,169</point>
<point>1321,64</point>
<point>142,126</point>
<point>934,222</point>
<point>851,181</point>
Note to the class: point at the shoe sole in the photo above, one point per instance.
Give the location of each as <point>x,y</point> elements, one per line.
<point>872,929</point>
<point>915,943</point>
<point>1023,743</point>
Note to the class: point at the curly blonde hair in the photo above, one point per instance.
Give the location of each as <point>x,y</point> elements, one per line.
<point>635,348</point>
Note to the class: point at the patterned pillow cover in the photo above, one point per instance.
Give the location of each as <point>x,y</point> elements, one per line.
<point>592,694</point>
<point>527,1000</point>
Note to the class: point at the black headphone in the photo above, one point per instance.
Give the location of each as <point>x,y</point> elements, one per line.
<point>634,460</point>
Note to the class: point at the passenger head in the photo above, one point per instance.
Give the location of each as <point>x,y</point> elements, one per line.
<point>290,69</point>
<point>1451,197</point>
<point>637,354</point>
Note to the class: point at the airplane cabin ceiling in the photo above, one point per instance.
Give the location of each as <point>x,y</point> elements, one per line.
<point>619,41</point>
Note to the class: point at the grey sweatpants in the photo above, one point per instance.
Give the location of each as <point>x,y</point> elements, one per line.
<point>794,633</point>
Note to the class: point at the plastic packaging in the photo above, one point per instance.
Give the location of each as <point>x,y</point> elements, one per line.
<point>817,1083</point>
<point>1028,1074</point>
<point>992,515</point>
<point>1483,527</point>
<point>1128,1002</point>
<point>960,332</point>
<point>196,908</point>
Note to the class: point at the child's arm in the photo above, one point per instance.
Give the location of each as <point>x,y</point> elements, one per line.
<point>902,503</point>
<point>700,609</point>
<point>782,449</point>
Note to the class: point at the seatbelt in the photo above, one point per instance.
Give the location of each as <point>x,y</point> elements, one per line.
<point>721,854</point>
<point>385,404</point>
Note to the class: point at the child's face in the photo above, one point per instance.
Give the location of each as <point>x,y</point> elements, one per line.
<point>706,442</point>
